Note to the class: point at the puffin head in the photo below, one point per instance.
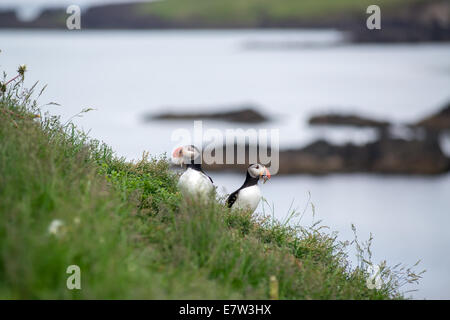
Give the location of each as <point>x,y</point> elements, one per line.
<point>259,171</point>
<point>186,154</point>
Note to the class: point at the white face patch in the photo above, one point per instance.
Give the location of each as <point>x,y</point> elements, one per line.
<point>191,153</point>
<point>184,155</point>
<point>256,170</point>
<point>177,160</point>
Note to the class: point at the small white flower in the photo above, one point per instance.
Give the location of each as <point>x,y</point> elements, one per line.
<point>55,227</point>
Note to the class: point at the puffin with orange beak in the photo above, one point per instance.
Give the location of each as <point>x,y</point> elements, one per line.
<point>248,196</point>
<point>194,181</point>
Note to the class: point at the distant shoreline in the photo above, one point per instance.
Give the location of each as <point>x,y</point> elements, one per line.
<point>419,21</point>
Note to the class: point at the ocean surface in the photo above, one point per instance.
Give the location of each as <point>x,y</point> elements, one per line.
<point>289,76</point>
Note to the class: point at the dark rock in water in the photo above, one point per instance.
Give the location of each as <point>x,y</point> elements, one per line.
<point>347,120</point>
<point>386,156</point>
<point>437,122</point>
<point>411,157</point>
<point>246,115</point>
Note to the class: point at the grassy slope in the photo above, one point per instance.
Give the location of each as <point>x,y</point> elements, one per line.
<point>133,236</point>
<point>248,11</point>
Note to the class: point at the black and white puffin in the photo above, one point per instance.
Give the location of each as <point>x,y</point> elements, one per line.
<point>194,181</point>
<point>248,196</point>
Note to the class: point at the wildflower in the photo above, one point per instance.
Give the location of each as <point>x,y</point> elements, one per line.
<point>56,227</point>
<point>22,69</point>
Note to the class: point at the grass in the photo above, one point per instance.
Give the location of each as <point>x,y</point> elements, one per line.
<point>132,234</point>
<point>250,12</point>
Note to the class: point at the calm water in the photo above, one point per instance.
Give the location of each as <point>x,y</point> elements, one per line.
<point>124,75</point>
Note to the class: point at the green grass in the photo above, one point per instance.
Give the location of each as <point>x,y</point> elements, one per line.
<point>248,12</point>
<point>133,236</point>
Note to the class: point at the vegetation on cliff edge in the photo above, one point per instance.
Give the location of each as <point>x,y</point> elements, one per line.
<point>67,199</point>
<point>248,11</point>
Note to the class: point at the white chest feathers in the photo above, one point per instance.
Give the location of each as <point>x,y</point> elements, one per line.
<point>248,198</point>
<point>194,183</point>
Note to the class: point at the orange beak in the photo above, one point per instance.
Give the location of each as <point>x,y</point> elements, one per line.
<point>266,175</point>
<point>177,152</point>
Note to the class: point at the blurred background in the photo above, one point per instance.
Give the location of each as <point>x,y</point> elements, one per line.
<point>364,115</point>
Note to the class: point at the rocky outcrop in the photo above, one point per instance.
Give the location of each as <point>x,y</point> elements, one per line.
<point>347,120</point>
<point>245,115</point>
<point>8,19</point>
<point>386,156</point>
<point>418,21</point>
<point>419,154</point>
<point>436,122</point>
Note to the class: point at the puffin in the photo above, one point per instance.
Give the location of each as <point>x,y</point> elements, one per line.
<point>194,181</point>
<point>248,196</point>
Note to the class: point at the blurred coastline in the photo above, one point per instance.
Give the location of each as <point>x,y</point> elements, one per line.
<point>403,21</point>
